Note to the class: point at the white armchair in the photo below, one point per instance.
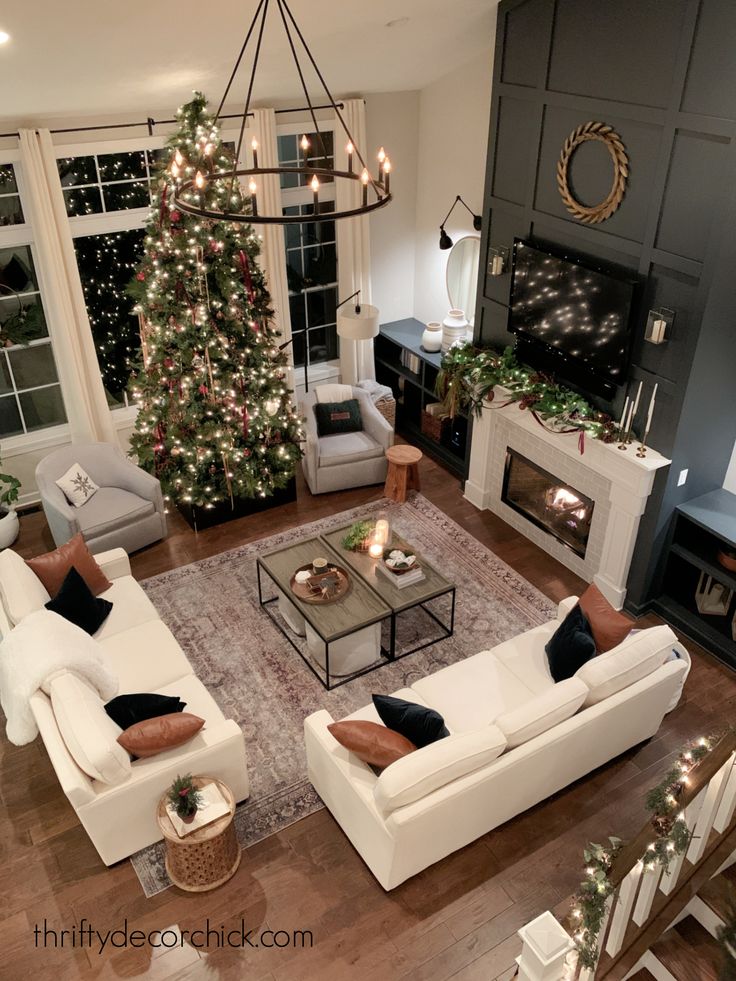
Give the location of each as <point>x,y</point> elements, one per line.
<point>345,460</point>
<point>126,512</point>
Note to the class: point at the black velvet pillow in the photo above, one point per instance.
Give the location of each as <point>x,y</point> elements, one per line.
<point>570,646</point>
<point>128,710</point>
<point>418,724</point>
<point>76,602</point>
<point>338,417</point>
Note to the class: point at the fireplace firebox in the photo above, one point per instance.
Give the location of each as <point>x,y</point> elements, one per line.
<point>547,502</point>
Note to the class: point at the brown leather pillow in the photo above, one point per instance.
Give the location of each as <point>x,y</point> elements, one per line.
<point>372,743</point>
<point>153,736</point>
<point>52,567</point>
<point>609,627</point>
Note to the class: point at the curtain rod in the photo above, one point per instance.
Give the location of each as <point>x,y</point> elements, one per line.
<point>150,123</point>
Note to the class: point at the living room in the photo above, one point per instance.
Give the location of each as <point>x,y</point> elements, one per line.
<point>368,492</point>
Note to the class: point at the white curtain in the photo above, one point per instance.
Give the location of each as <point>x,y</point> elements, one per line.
<point>262,126</point>
<point>354,247</point>
<point>66,312</point>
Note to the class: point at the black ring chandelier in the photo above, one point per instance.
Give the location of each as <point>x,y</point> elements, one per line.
<point>191,192</point>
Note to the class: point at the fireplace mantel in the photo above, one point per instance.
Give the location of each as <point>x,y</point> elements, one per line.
<point>619,476</point>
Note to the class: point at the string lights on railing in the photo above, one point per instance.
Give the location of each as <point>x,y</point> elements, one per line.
<point>207,190</point>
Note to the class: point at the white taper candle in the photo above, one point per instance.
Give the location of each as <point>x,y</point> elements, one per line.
<point>636,401</point>
<point>651,407</point>
<point>622,420</point>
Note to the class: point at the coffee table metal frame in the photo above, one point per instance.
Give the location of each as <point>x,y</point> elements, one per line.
<point>388,655</point>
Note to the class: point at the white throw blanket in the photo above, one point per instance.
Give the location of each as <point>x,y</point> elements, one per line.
<point>41,646</point>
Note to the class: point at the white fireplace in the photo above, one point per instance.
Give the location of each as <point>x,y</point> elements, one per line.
<point>583,509</point>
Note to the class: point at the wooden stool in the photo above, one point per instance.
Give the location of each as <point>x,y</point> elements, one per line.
<point>403,471</point>
<point>208,856</point>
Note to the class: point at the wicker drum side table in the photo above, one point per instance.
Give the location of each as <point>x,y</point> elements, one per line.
<point>208,856</point>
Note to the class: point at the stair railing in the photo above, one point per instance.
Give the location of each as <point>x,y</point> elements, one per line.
<point>646,897</point>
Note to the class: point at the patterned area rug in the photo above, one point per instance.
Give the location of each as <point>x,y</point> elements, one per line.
<point>258,679</point>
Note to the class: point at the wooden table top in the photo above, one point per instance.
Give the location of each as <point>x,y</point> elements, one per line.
<point>207,831</point>
<point>403,454</point>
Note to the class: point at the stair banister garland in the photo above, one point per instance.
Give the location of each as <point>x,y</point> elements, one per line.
<point>468,375</point>
<point>673,839</point>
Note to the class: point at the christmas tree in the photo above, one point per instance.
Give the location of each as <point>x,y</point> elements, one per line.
<point>216,421</point>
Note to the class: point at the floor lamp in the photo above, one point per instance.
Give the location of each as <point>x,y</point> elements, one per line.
<point>358,322</point>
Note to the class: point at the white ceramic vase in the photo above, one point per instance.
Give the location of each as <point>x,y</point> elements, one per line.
<point>432,337</point>
<point>9,528</point>
<point>454,329</point>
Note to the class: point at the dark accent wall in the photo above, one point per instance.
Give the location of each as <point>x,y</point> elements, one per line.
<point>663,74</point>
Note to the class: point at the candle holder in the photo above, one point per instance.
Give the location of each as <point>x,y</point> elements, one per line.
<point>642,451</point>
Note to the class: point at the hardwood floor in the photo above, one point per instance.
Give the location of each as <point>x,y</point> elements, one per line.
<point>456,920</point>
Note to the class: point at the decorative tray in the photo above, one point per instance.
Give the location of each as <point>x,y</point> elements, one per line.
<point>327,587</point>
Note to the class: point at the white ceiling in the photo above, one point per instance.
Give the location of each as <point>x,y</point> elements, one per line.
<point>93,57</point>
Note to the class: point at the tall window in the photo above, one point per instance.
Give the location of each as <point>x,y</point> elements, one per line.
<point>107,196</point>
<point>311,249</point>
<point>30,394</point>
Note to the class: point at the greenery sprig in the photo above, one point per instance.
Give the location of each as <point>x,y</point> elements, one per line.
<point>589,907</point>
<point>357,535</point>
<point>468,375</point>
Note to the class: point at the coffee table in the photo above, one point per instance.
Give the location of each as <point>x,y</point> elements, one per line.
<point>370,600</point>
<point>399,600</point>
<point>352,614</point>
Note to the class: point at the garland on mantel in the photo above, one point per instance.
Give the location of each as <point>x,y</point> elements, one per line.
<point>673,839</point>
<point>468,375</point>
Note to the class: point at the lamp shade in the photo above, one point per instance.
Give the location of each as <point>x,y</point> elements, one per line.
<point>358,326</point>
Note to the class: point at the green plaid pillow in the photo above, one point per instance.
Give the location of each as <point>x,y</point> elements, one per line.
<point>338,417</point>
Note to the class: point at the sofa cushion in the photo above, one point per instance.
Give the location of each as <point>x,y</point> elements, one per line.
<point>473,692</point>
<point>77,604</point>
<point>608,625</point>
<point>52,567</point>
<point>570,646</point>
<point>525,657</point>
<point>418,774</point>
<point>111,508</point>
<point>543,712</point>
<point>21,590</point>
<point>347,448</point>
<point>153,736</point>
<point>145,658</point>
<point>130,607</point>
<point>373,744</point>
<point>639,655</point>
<point>420,725</point>
<point>88,732</point>
<point>77,486</point>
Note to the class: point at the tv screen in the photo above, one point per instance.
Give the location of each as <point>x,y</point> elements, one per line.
<point>581,313</point>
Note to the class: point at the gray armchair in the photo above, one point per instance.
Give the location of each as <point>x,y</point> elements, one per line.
<point>346,460</point>
<point>127,511</point>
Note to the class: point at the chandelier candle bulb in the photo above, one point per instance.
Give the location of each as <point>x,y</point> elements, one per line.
<point>304,144</point>
<point>253,188</point>
<point>200,180</point>
<point>381,156</point>
<point>349,150</point>
<point>315,190</point>
<point>254,147</point>
<point>364,178</point>
<point>386,173</point>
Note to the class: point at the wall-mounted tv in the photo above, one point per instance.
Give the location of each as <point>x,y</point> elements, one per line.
<point>578,315</point>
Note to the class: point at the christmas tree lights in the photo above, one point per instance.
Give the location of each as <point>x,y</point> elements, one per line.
<point>216,421</point>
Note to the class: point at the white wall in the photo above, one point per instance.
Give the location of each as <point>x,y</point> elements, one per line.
<point>730,482</point>
<point>392,120</point>
<point>453,136</point>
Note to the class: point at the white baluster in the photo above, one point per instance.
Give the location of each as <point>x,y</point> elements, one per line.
<point>712,799</point>
<point>622,910</point>
<point>647,891</point>
<point>724,814</point>
<point>671,875</point>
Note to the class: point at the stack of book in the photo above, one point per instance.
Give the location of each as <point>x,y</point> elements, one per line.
<point>404,579</point>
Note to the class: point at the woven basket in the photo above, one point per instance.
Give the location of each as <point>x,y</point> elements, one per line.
<point>432,426</point>
<point>387,408</point>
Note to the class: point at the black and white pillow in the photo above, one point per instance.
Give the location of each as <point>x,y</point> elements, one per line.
<point>77,485</point>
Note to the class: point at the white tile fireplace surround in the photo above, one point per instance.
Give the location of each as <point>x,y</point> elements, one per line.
<point>617,481</point>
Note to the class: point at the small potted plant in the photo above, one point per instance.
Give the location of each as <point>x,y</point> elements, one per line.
<point>185,798</point>
<point>358,536</point>
<point>9,488</point>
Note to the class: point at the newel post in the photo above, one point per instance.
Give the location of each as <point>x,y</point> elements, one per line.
<point>544,954</point>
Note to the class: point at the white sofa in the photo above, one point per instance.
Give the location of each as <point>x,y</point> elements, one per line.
<point>515,739</point>
<point>142,652</point>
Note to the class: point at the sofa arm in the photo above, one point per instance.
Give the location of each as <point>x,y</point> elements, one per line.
<point>76,785</point>
<point>60,515</point>
<point>565,606</point>
<point>376,425</point>
<point>114,563</point>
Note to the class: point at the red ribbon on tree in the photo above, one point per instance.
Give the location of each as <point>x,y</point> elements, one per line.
<point>247,278</point>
